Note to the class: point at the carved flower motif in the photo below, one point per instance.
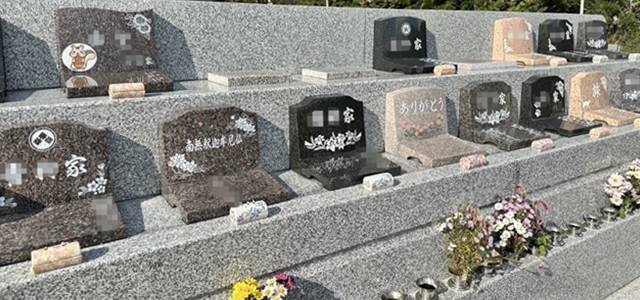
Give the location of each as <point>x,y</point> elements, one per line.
<point>599,43</point>
<point>335,142</point>
<point>244,123</point>
<point>181,166</point>
<point>97,186</point>
<point>631,95</point>
<point>7,202</point>
<point>493,118</point>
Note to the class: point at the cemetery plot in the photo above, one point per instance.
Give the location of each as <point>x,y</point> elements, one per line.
<point>513,41</point>
<point>556,37</point>
<point>400,44</point>
<point>630,89</point>
<point>593,37</point>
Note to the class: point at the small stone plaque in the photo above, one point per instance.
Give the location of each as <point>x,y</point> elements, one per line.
<point>542,145</point>
<point>110,47</point>
<point>249,212</point>
<point>328,142</point>
<point>329,74</point>
<point>48,174</point>
<point>250,77</point>
<point>543,107</point>
<point>636,123</point>
<point>599,59</point>
<point>558,61</point>
<point>630,90</point>
<point>378,182</point>
<point>400,44</point>
<point>513,41</point>
<point>486,117</point>
<point>590,101</point>
<point>442,70</point>
<point>556,37</point>
<point>416,127</point>
<point>634,57</point>
<point>211,162</point>
<point>475,161</point>
<point>601,132</point>
<point>468,67</point>
<point>592,37</point>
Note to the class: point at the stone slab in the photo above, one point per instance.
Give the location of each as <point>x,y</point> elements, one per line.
<point>244,78</point>
<point>466,67</point>
<point>328,74</point>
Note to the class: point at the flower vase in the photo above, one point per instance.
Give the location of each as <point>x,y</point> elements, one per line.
<point>428,289</point>
<point>392,295</point>
<point>459,283</point>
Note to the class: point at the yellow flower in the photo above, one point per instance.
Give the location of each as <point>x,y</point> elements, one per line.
<point>242,290</point>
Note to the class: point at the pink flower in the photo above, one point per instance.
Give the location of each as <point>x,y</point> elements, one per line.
<point>286,280</point>
<point>544,205</point>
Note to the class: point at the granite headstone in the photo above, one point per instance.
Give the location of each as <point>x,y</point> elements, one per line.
<point>98,47</point>
<point>54,187</point>
<point>400,44</point>
<point>487,117</point>
<point>630,90</point>
<point>416,127</point>
<point>513,41</point>
<point>556,37</point>
<point>592,37</point>
<point>328,142</point>
<point>590,101</point>
<point>542,107</point>
<point>210,162</point>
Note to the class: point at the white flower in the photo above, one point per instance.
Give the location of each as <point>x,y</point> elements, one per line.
<point>244,123</point>
<point>505,235</point>
<point>498,206</point>
<point>615,180</point>
<point>509,215</point>
<point>273,290</point>
<point>616,199</point>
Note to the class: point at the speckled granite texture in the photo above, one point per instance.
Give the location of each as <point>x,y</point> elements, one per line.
<point>135,143</point>
<point>160,262</point>
<point>246,36</point>
<point>242,78</point>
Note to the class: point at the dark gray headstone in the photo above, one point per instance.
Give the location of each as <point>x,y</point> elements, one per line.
<point>400,44</point>
<point>487,117</point>
<point>54,176</point>
<point>108,47</point>
<point>556,37</point>
<point>211,162</point>
<point>328,142</point>
<point>630,89</point>
<point>592,37</point>
<point>543,107</point>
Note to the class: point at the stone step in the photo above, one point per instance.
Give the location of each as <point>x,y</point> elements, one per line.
<point>165,257</point>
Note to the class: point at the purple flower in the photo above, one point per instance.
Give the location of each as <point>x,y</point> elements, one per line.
<point>286,280</point>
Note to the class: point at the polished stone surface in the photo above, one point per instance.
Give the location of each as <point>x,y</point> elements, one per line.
<point>543,104</point>
<point>487,117</point>
<point>211,162</point>
<point>111,47</point>
<point>400,45</point>
<point>329,142</point>
<point>593,37</point>
<point>556,37</point>
<point>513,42</point>
<point>416,127</point>
<point>629,94</point>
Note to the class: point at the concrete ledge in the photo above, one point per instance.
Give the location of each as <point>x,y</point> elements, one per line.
<point>163,261</point>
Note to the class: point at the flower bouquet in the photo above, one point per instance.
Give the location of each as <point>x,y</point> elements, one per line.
<point>275,288</point>
<point>518,226</point>
<point>622,190</point>
<point>470,244</point>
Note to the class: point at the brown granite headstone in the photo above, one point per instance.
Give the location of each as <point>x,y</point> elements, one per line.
<point>513,41</point>
<point>416,127</point>
<point>590,101</point>
<point>211,162</point>
<point>54,177</point>
<point>99,47</point>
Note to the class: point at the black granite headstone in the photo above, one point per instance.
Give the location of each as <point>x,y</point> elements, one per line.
<point>400,44</point>
<point>211,162</point>
<point>556,37</point>
<point>100,47</point>
<point>592,37</point>
<point>543,107</point>
<point>630,89</point>
<point>54,187</point>
<point>328,142</point>
<point>487,117</point>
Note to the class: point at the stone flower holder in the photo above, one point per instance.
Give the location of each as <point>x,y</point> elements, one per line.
<point>592,221</point>
<point>393,295</point>
<point>457,283</point>
<point>575,229</point>
<point>427,289</point>
<point>610,214</point>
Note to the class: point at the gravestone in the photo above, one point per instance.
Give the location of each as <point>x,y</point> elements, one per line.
<point>542,107</point>
<point>416,127</point>
<point>109,47</point>
<point>590,101</point>
<point>593,37</point>
<point>513,41</point>
<point>210,162</point>
<point>400,44</point>
<point>328,142</point>
<point>630,90</point>
<point>54,187</point>
<point>556,37</point>
<point>486,116</point>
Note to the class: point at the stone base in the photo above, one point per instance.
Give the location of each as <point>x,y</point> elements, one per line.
<point>531,59</point>
<point>328,74</point>
<point>467,67</point>
<point>611,116</point>
<point>508,138</point>
<point>246,78</point>
<point>97,84</point>
<point>90,222</point>
<point>438,151</point>
<point>563,125</point>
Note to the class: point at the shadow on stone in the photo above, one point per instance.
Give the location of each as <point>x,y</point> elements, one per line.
<point>95,253</point>
<point>308,290</point>
<point>432,45</point>
<point>174,52</point>
<point>133,169</point>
